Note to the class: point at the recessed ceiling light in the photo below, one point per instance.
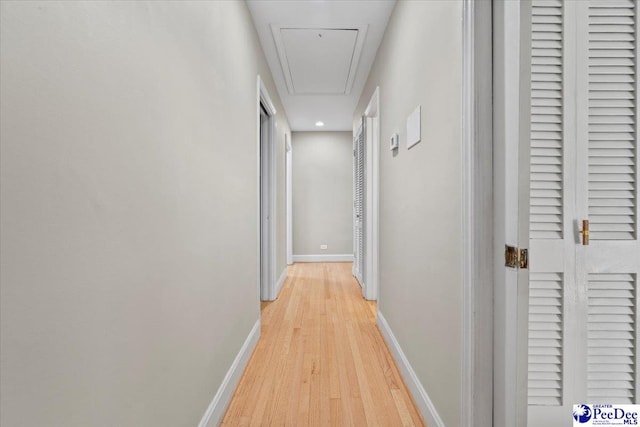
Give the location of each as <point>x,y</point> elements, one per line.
<point>319,124</point>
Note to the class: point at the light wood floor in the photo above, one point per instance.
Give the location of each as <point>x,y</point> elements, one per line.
<point>321,360</point>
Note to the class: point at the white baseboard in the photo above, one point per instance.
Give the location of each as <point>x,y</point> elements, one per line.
<point>279,283</point>
<point>213,416</point>
<point>420,396</point>
<point>323,258</point>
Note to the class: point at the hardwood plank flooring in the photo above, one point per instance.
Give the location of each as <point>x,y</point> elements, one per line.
<point>321,360</point>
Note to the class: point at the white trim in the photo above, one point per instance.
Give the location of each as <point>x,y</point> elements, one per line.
<point>477,217</point>
<point>265,98</point>
<point>280,282</point>
<point>373,107</point>
<point>420,396</point>
<point>289,195</point>
<point>467,259</point>
<point>258,168</point>
<point>218,406</point>
<point>273,194</point>
<point>522,207</point>
<point>284,62</point>
<point>508,408</point>
<point>323,258</point>
<point>267,290</point>
<point>371,285</point>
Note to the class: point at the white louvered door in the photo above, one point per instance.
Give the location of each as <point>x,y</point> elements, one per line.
<point>607,195</point>
<point>551,212</point>
<point>583,165</point>
<point>359,203</point>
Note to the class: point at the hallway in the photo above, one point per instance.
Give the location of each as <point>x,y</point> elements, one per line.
<point>321,359</point>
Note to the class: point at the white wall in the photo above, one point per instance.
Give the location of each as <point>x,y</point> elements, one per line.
<point>129,270</point>
<point>322,193</point>
<point>420,62</point>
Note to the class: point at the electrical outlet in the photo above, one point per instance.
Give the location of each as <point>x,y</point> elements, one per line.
<point>324,247</point>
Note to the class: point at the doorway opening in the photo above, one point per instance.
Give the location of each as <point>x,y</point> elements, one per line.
<point>266,194</point>
<point>366,151</point>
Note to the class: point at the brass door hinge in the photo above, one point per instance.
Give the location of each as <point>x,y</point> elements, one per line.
<point>516,257</point>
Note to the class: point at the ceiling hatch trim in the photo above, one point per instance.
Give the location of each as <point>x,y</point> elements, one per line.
<point>277,31</point>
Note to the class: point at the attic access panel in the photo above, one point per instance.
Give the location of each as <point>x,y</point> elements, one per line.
<point>319,60</point>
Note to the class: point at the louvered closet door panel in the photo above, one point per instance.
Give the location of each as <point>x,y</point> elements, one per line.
<point>612,120</point>
<point>546,192</point>
<point>607,269</point>
<point>546,333</point>
<point>549,243</point>
<point>359,202</point>
<point>611,358</point>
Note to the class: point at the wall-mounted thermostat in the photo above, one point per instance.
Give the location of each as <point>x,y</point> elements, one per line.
<point>394,143</point>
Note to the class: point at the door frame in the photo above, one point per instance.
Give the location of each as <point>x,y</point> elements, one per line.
<point>266,241</point>
<point>510,157</point>
<point>477,216</point>
<point>370,287</point>
<point>289,195</point>
<point>477,219</point>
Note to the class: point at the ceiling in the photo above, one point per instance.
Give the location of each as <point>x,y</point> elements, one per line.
<point>320,53</point>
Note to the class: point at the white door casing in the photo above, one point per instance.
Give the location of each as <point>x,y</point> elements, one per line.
<point>265,221</point>
<point>289,195</point>
<point>477,216</point>
<point>509,284</point>
<point>266,193</point>
<point>372,134</point>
